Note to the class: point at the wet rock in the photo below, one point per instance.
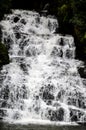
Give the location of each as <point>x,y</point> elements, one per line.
<point>4,57</point>
<point>81,103</point>
<point>24,67</point>
<point>69,53</point>
<point>16,19</point>
<point>5,92</point>
<point>60,114</point>
<point>18,35</point>
<point>31,51</point>
<point>75,115</point>
<point>2,113</point>
<point>16,28</point>
<point>28,53</point>
<point>74,118</point>
<point>77,100</point>
<point>37,20</point>
<point>56,115</point>
<point>52,115</point>
<point>16,116</point>
<point>47,93</point>
<point>61,42</point>
<point>72,101</point>
<point>4,104</point>
<point>60,94</point>
<point>21,93</point>
<point>23,21</point>
<point>47,96</point>
<point>82,72</point>
<point>24,92</point>
<point>57,52</point>
<point>49,102</point>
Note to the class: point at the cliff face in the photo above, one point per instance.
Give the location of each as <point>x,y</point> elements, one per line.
<point>4,57</point>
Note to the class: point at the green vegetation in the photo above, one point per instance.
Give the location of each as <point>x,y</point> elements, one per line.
<point>71,15</point>
<point>72,20</point>
<point>5,6</point>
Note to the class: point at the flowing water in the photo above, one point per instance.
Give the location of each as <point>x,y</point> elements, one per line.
<point>41,84</point>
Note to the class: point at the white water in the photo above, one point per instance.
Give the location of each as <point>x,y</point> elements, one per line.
<point>41,84</point>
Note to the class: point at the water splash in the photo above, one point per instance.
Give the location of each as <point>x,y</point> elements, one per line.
<point>41,83</point>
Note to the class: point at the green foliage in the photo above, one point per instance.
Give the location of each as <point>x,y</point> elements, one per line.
<point>72,20</point>
<point>63,12</point>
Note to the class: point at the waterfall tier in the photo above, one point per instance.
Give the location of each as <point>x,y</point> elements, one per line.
<point>42,82</point>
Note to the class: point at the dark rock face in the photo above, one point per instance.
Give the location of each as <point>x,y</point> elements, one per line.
<point>0,34</point>
<point>46,93</point>
<point>69,53</point>
<point>18,35</point>
<point>4,57</point>
<point>47,96</point>
<point>16,19</point>
<point>74,115</point>
<point>61,42</point>
<point>16,116</point>
<point>24,67</point>
<point>23,21</point>
<point>52,115</point>
<point>31,51</point>
<point>56,115</point>
<point>74,118</point>
<point>2,114</point>
<point>57,52</point>
<point>60,94</point>
<point>4,104</point>
<point>60,114</point>
<point>82,71</point>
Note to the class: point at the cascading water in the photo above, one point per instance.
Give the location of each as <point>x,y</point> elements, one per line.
<point>41,83</point>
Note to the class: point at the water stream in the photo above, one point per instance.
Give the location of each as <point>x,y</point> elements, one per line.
<point>41,84</point>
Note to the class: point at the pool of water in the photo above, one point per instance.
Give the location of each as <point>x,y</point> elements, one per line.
<point>6,126</point>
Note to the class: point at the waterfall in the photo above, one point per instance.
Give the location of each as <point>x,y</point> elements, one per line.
<point>41,84</point>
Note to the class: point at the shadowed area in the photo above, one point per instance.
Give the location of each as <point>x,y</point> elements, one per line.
<point>4,126</point>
